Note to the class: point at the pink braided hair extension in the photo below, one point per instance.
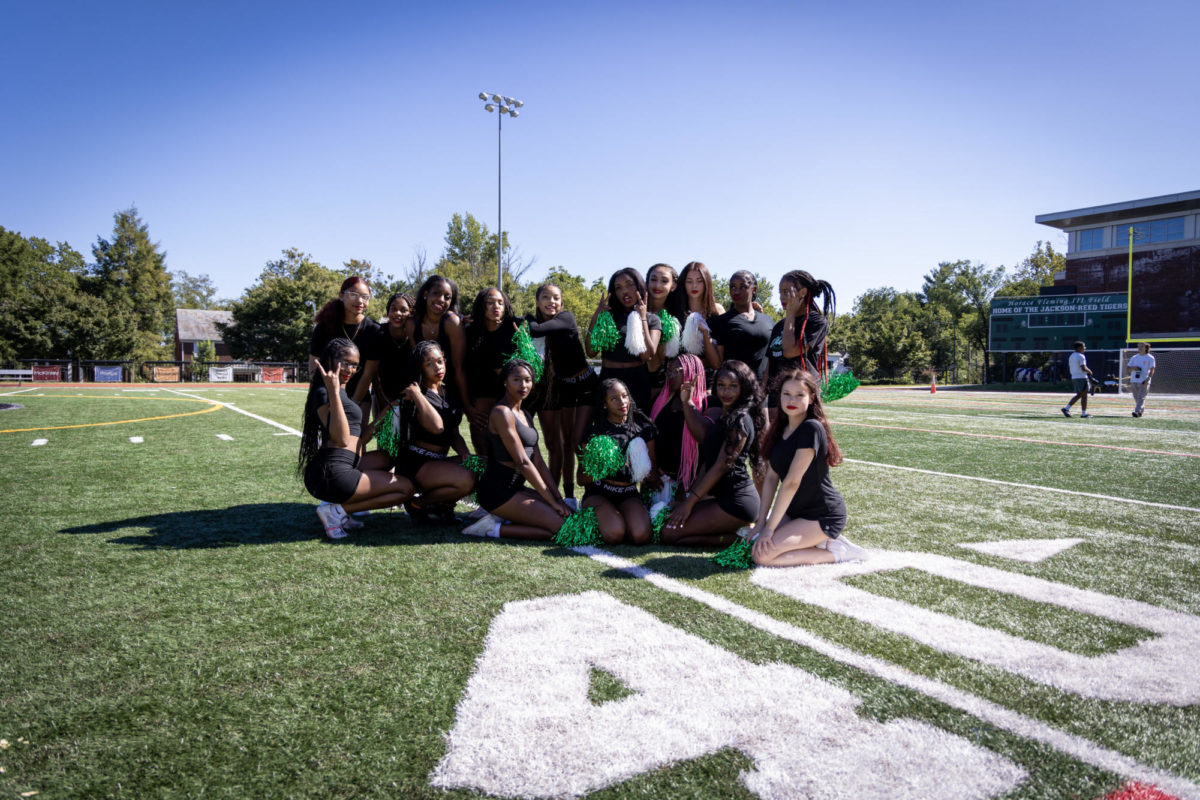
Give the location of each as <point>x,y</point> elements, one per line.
<point>693,370</point>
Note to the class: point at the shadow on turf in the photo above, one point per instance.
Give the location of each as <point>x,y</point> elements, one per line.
<point>252,524</point>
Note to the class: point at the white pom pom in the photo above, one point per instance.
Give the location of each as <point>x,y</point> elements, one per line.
<point>639,459</point>
<point>635,342</point>
<point>663,496</point>
<point>657,507</point>
<point>672,348</point>
<point>539,344</point>
<point>693,341</point>
<point>396,420</point>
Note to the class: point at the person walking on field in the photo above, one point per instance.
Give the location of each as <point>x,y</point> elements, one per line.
<point>1079,377</point>
<point>1141,370</point>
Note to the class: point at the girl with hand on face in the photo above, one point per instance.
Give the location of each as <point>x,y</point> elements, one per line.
<point>723,499</point>
<point>332,461</point>
<point>742,333</point>
<point>620,512</point>
<point>569,385</point>
<point>638,332</point>
<point>513,457</point>
<point>395,351</point>
<point>435,318</point>
<point>428,429</point>
<point>345,317</point>
<point>661,281</point>
<point>489,342</point>
<point>677,450</point>
<point>798,340</point>
<point>801,515</point>
<point>695,296</point>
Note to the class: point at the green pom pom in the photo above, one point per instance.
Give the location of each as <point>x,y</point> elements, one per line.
<point>526,351</point>
<point>579,530</point>
<point>476,464</point>
<point>835,387</point>
<point>602,457</point>
<point>736,556</point>
<point>605,334</point>
<point>659,522</point>
<point>387,435</point>
<point>670,325</point>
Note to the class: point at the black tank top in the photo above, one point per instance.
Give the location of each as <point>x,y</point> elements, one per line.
<point>525,432</point>
<point>352,409</point>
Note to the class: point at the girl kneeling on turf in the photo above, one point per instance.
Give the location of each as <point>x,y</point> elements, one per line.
<point>513,457</point>
<point>803,522</point>
<point>620,512</point>
<point>335,469</point>
<point>429,428</point>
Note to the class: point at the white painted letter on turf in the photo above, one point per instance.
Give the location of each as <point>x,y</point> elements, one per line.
<point>526,727</point>
<point>1161,669</point>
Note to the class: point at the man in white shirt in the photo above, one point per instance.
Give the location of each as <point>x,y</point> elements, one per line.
<point>1141,370</point>
<point>1079,378</point>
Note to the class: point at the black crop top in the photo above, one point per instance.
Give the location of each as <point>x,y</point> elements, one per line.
<point>816,496</point>
<point>712,450</point>
<point>525,432</point>
<point>365,336</point>
<point>668,451</point>
<point>816,327</point>
<point>352,409</point>
<point>563,347</point>
<point>451,417</point>
<point>619,354</point>
<point>623,435</point>
<point>487,350</point>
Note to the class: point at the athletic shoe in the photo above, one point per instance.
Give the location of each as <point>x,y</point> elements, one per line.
<point>843,550</point>
<point>416,513</point>
<point>1066,411</point>
<point>1085,415</point>
<point>332,520</point>
<point>571,503</point>
<point>349,523</point>
<point>487,525</point>
<point>479,513</point>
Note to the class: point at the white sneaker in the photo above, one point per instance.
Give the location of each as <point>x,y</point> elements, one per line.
<point>1085,415</point>
<point>349,523</point>
<point>488,526</point>
<point>479,513</point>
<point>843,550</point>
<point>332,520</point>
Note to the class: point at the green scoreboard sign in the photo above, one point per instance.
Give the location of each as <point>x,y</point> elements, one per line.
<point>1056,321</point>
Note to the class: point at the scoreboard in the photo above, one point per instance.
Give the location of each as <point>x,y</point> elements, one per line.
<point>1054,322</point>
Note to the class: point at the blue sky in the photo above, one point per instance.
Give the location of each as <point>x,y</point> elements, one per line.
<point>863,141</point>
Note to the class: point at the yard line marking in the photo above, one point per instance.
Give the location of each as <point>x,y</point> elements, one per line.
<point>211,408</point>
<point>1016,416</point>
<point>38,442</point>
<point>18,391</point>
<point>1019,439</point>
<point>136,439</point>
<point>225,437</point>
<point>281,434</point>
<point>992,713</point>
<point>232,407</point>
<point>1025,485</point>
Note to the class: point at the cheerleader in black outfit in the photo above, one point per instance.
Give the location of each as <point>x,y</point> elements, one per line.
<point>723,499</point>
<point>626,301</point>
<point>569,383</point>
<point>515,511</point>
<point>798,340</point>
<point>801,515</point>
<point>695,295</point>
<point>435,316</point>
<point>620,511</point>
<point>395,351</point>
<point>661,281</point>
<point>489,342</point>
<point>345,317</point>
<point>428,429</point>
<point>332,460</point>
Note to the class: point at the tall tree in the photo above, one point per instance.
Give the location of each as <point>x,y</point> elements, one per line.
<point>883,335</point>
<point>130,275</point>
<point>469,258</point>
<point>194,291</point>
<point>1036,271</point>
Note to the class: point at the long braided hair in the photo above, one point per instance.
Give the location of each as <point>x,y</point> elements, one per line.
<point>691,369</point>
<point>310,436</point>
<point>814,288</point>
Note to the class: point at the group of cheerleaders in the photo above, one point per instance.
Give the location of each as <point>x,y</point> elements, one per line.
<point>717,412</point>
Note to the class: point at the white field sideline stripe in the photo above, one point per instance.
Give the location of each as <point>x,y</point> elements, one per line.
<point>1025,486</point>
<point>992,713</point>
<point>18,391</point>
<point>232,407</point>
<point>1015,416</point>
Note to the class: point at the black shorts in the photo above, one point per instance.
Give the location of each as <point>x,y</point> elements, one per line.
<point>740,501</point>
<point>498,485</point>
<point>412,458</point>
<point>613,494</point>
<point>333,475</point>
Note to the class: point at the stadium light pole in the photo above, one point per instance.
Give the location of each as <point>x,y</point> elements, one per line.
<point>505,105</point>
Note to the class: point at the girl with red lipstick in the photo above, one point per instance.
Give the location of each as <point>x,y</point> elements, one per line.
<point>723,498</point>
<point>435,317</point>
<point>661,281</point>
<point>628,357</point>
<point>516,512</point>
<point>336,469</point>
<point>489,343</point>
<point>428,429</point>
<point>801,515</point>
<point>620,512</point>
<point>345,317</point>
<point>695,295</point>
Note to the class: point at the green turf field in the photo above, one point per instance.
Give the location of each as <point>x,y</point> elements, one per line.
<point>174,625</point>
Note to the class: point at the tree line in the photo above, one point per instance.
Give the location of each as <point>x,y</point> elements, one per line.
<point>120,306</point>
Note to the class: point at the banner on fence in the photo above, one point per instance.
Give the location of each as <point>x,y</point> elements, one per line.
<point>46,373</point>
<point>220,374</point>
<point>166,374</point>
<point>273,375</point>
<point>107,375</point>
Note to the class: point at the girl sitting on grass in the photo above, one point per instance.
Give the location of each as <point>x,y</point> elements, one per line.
<point>332,461</point>
<point>801,515</point>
